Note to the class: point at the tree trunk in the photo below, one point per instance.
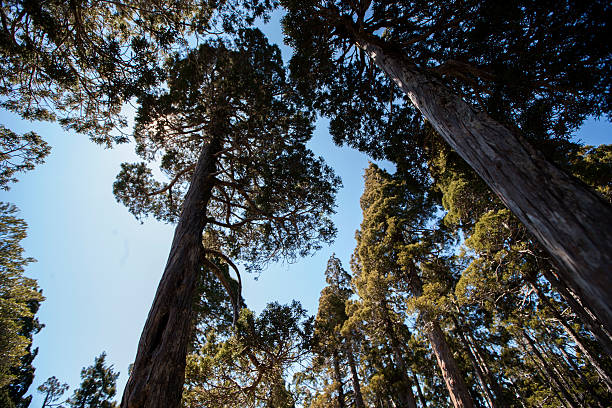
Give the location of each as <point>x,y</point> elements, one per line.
<point>419,390</point>
<point>355,378</point>
<point>591,358</point>
<point>158,373</point>
<point>458,390</point>
<point>406,398</point>
<point>340,396</point>
<point>571,221</point>
<point>587,318</point>
<point>476,364</point>
<point>550,372</point>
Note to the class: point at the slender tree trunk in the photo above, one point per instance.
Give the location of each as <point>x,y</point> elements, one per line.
<point>458,390</point>
<point>590,356</point>
<point>476,364</point>
<point>406,398</point>
<point>570,220</point>
<point>419,390</point>
<point>585,316</point>
<point>355,378</point>
<point>493,383</point>
<point>158,373</point>
<point>336,362</point>
<point>552,374</point>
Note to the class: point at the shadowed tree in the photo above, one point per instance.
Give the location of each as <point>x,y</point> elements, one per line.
<point>487,76</point>
<point>98,386</point>
<point>226,132</point>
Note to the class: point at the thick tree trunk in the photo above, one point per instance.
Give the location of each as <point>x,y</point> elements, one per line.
<point>460,396</point>
<point>572,222</point>
<point>158,373</point>
<point>355,378</point>
<point>340,396</point>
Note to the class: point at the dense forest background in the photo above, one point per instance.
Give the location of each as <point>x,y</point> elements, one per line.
<point>510,332</point>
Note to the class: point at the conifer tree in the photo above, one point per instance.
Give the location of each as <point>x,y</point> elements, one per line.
<point>468,67</point>
<point>394,239</point>
<point>232,142</point>
<point>98,386</point>
<point>19,300</point>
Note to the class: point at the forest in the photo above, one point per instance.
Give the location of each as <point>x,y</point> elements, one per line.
<point>480,274</point>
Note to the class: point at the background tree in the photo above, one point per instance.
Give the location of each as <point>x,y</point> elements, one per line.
<point>53,391</point>
<point>442,55</point>
<point>98,386</point>
<point>19,153</point>
<point>19,299</point>
<point>232,142</point>
<point>249,368</point>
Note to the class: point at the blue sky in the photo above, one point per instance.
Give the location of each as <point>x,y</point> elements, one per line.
<point>99,267</point>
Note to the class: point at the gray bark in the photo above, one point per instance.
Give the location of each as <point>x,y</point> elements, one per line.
<point>158,373</point>
<point>571,221</point>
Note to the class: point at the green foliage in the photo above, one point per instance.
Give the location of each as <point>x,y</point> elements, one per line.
<point>19,153</point>
<point>98,386</point>
<point>19,297</point>
<point>53,391</point>
<point>272,198</point>
<point>248,367</point>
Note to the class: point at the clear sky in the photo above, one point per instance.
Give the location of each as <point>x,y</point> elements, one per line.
<point>99,267</point>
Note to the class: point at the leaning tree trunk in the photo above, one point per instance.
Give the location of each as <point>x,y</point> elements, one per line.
<point>590,357</point>
<point>354,377</point>
<point>571,221</point>
<point>592,323</point>
<point>158,373</point>
<point>406,397</point>
<point>338,375</point>
<point>453,378</point>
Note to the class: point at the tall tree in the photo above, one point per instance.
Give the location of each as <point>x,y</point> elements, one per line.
<point>394,238</point>
<point>19,299</point>
<point>232,142</point>
<point>98,386</point>
<point>468,67</point>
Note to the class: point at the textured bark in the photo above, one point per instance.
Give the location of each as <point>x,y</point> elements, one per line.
<point>158,373</point>
<point>340,396</point>
<point>571,221</point>
<point>354,378</point>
